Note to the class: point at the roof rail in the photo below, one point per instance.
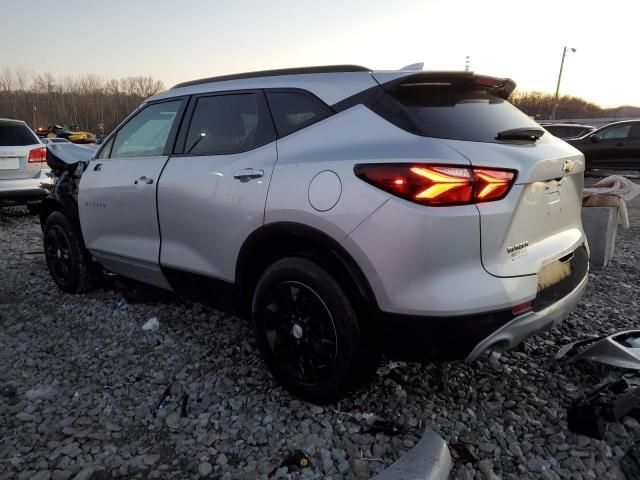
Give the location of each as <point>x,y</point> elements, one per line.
<point>273,73</point>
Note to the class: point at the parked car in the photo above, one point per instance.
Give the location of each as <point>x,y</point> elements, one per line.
<point>22,165</point>
<point>568,130</point>
<point>615,146</point>
<point>346,212</point>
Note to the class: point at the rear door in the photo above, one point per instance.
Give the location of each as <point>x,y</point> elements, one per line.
<point>16,141</point>
<point>213,191</point>
<point>117,195</point>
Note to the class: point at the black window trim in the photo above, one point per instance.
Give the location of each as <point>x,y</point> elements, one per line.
<point>181,138</point>
<point>300,91</point>
<point>171,139</point>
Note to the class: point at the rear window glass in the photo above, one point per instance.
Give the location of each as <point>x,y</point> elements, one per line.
<point>16,135</point>
<point>454,114</point>
<point>293,111</point>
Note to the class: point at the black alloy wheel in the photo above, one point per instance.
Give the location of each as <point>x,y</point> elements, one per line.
<point>300,332</point>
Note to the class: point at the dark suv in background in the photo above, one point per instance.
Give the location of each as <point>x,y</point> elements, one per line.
<point>615,146</point>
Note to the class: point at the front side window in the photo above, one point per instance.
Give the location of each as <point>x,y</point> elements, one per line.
<point>617,132</point>
<point>226,124</point>
<point>146,134</point>
<point>293,111</point>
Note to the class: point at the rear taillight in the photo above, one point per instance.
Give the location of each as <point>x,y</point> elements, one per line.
<point>38,155</point>
<point>438,185</point>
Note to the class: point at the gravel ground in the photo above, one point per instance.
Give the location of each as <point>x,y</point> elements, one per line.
<point>81,389</point>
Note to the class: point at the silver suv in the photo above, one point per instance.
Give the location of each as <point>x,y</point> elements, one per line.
<point>23,165</point>
<point>348,213</point>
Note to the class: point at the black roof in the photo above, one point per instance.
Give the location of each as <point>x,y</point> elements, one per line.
<point>273,73</point>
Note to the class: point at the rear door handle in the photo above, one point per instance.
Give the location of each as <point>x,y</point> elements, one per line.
<point>248,174</point>
<point>143,180</point>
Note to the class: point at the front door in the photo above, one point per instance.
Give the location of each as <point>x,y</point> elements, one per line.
<point>117,199</point>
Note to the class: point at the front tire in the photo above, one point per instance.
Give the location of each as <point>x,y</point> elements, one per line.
<point>69,262</point>
<point>308,332</point>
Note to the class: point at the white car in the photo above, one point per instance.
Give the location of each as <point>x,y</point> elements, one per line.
<point>346,212</point>
<point>23,166</point>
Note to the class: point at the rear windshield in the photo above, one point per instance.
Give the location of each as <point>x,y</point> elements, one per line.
<point>16,135</point>
<point>443,112</point>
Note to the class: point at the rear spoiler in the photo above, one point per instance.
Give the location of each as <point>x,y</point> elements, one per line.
<point>500,87</point>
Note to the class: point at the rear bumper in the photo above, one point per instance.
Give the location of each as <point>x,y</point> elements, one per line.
<point>419,338</point>
<point>523,326</point>
<point>21,190</point>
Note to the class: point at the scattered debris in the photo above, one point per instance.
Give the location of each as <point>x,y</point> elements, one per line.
<point>383,426</point>
<point>462,453</point>
<point>620,349</point>
<point>429,459</point>
<point>163,400</point>
<point>609,401</point>
<point>152,324</point>
<point>293,462</point>
<point>386,369</point>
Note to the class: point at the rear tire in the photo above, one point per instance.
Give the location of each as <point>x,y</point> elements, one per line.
<point>69,262</point>
<point>308,332</point>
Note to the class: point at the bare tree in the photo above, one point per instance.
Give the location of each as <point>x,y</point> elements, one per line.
<point>89,101</point>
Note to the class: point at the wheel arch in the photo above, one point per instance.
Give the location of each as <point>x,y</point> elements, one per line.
<point>278,240</point>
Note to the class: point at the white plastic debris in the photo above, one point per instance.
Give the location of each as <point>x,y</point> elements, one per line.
<point>151,325</point>
<point>612,191</point>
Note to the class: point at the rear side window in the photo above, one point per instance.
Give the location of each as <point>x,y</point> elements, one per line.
<point>146,134</point>
<point>16,135</point>
<point>293,111</point>
<point>226,124</point>
<point>450,113</point>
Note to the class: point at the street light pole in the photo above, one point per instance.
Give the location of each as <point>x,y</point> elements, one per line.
<point>555,100</point>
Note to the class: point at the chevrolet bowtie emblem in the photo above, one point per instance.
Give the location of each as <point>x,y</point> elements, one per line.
<point>568,166</point>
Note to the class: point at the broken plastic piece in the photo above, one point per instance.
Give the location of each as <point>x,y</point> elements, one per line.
<point>621,350</point>
<point>609,401</point>
<point>151,325</point>
<point>428,460</point>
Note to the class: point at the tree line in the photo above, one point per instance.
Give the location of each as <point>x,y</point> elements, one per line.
<point>93,103</point>
<point>539,105</point>
<point>98,104</point>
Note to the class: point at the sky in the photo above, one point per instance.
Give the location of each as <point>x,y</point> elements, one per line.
<point>179,40</point>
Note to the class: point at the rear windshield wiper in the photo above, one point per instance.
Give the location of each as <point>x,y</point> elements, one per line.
<point>529,134</point>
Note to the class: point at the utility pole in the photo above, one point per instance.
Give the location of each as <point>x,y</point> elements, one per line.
<point>555,99</point>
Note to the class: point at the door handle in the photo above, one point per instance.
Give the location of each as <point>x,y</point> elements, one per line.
<point>98,167</point>
<point>619,144</point>
<point>143,180</point>
<point>248,174</point>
